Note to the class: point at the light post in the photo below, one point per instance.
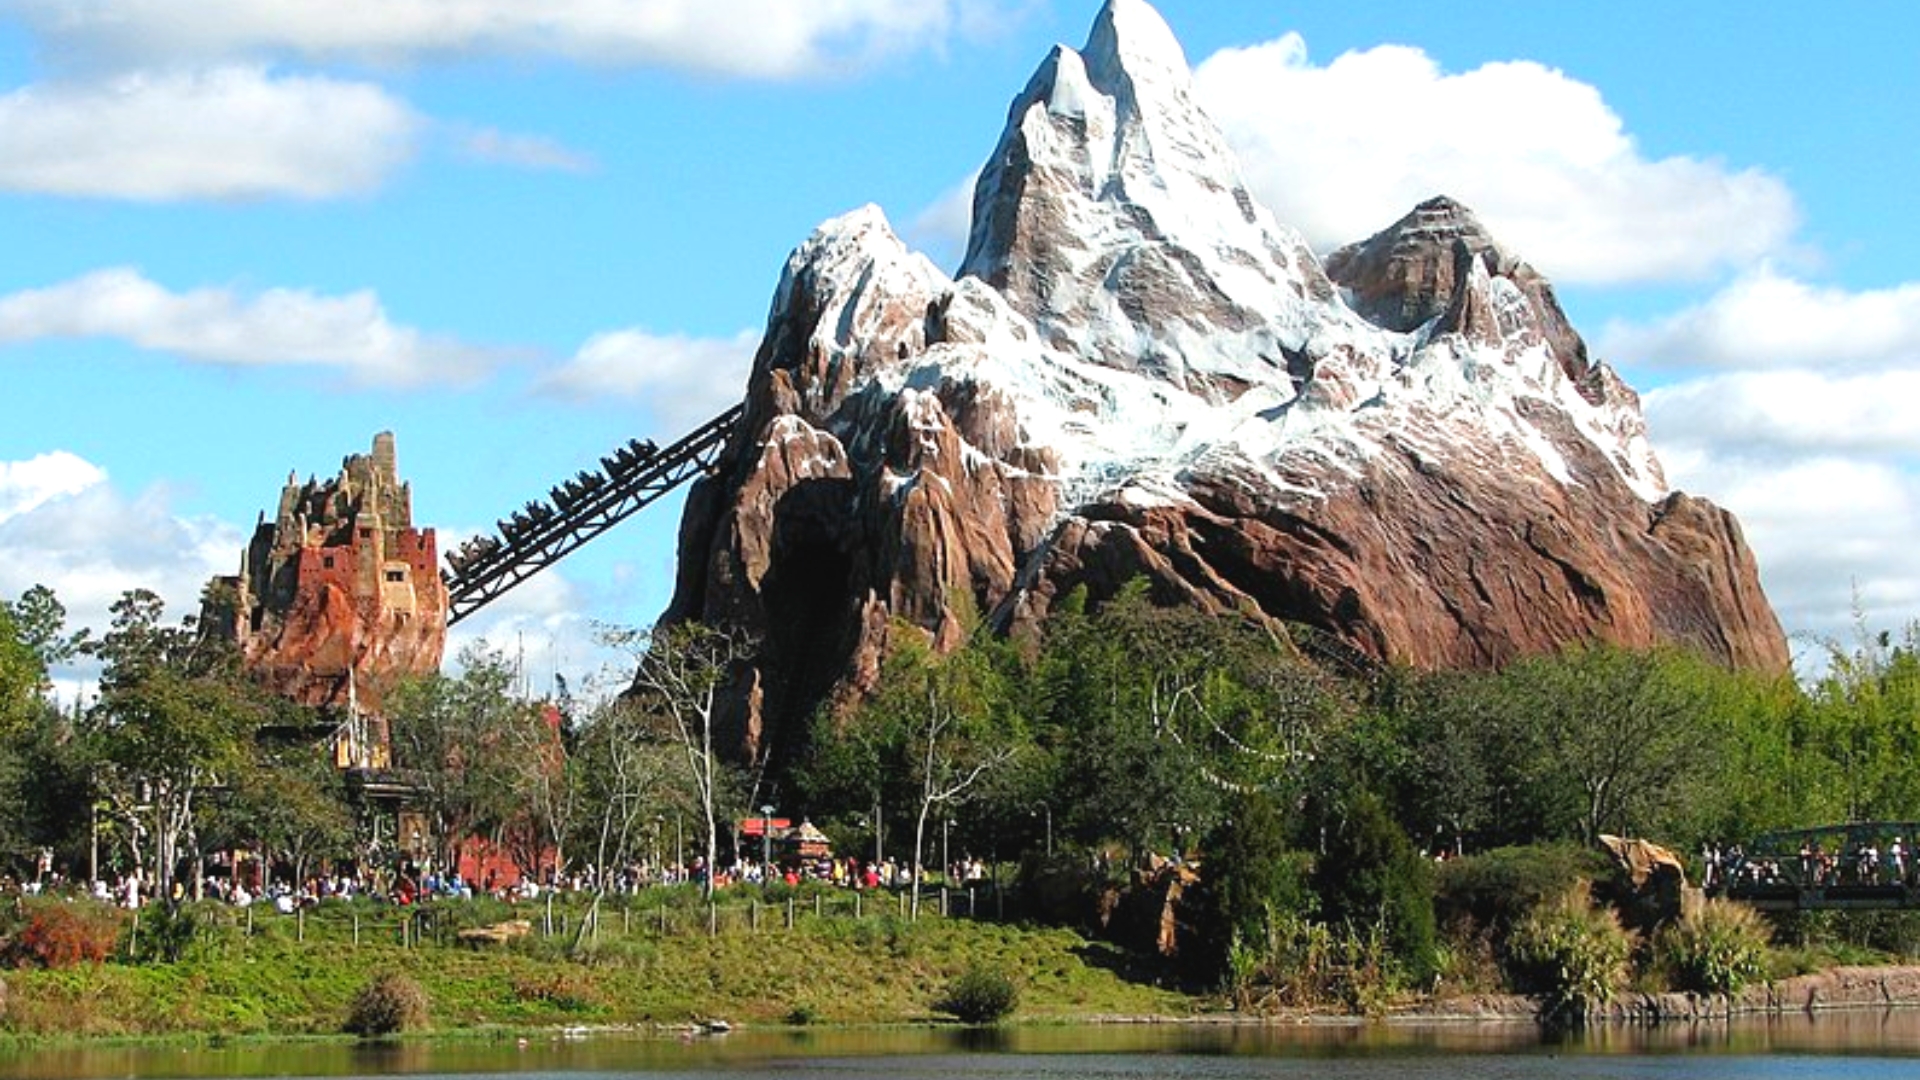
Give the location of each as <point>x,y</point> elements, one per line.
<point>659,826</point>
<point>766,842</point>
<point>1048,811</point>
<point>946,861</point>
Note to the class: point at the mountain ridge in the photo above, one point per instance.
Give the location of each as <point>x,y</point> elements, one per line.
<point>1140,373</point>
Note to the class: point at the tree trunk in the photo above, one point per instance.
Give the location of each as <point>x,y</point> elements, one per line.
<point>919,845</point>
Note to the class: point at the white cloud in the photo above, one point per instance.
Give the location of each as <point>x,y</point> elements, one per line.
<point>1767,320</point>
<point>26,485</point>
<point>225,133</point>
<point>542,626</point>
<point>350,333</point>
<point>1826,529</point>
<point>683,381</point>
<point>523,151</point>
<point>1342,150</point>
<point>1773,414</point>
<point>940,230</point>
<point>1803,427</point>
<point>753,38</point>
<point>90,543</point>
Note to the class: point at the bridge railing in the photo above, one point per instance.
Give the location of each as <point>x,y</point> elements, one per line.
<point>1856,865</point>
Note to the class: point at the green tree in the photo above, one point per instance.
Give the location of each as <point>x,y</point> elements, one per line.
<point>941,723</point>
<point>1368,874</point>
<point>1620,735</point>
<point>850,769</point>
<point>176,714</point>
<point>1249,877</point>
<point>20,675</point>
<point>292,805</point>
<point>679,671</point>
<point>456,738</point>
<point>1158,715</point>
<point>622,770</point>
<point>1865,719</point>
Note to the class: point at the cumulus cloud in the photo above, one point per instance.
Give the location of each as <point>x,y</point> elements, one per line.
<point>683,381</point>
<point>224,133</point>
<point>751,38</point>
<point>90,542</point>
<point>1342,150</point>
<point>940,229</point>
<point>542,626</point>
<point>27,485</point>
<point>1798,421</point>
<point>1775,414</point>
<point>350,333</point>
<point>535,152</point>
<point>1768,320</point>
<point>1829,531</point>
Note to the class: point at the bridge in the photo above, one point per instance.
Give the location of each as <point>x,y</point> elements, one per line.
<point>1858,866</point>
<point>547,530</point>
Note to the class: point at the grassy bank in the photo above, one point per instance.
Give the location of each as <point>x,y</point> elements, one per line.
<point>665,965</point>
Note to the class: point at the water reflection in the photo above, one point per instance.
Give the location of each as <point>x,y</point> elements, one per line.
<point>1750,1047</point>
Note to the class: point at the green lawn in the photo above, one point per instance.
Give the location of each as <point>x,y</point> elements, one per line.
<point>281,976</point>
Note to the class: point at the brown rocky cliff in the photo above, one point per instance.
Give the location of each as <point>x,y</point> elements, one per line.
<point>339,595</point>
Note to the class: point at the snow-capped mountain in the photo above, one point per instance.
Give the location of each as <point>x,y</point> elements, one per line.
<point>1139,372</point>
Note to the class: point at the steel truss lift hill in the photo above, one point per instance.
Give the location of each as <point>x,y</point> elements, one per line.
<point>546,531</point>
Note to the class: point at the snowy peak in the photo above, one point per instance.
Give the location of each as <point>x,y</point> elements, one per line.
<point>1421,268</point>
<point>1112,214</point>
<point>1129,35</point>
<point>1141,374</point>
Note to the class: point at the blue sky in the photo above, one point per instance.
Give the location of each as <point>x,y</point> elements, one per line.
<point>243,237</point>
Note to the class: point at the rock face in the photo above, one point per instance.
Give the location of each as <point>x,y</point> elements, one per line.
<point>1649,883</point>
<point>338,596</point>
<point>1139,372</point>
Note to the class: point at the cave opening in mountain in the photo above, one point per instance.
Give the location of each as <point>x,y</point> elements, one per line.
<point>812,617</point>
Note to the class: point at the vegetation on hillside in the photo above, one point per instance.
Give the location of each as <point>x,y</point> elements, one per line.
<point>1359,835</point>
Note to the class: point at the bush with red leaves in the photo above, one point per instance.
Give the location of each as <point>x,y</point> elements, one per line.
<point>62,935</point>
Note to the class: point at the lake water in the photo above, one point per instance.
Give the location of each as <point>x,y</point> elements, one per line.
<point>1856,1046</point>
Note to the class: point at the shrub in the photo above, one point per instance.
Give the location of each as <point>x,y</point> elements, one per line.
<point>979,995</point>
<point>1570,951</point>
<point>563,990</point>
<point>388,1005</point>
<point>169,933</point>
<point>1495,889</point>
<point>1716,949</point>
<point>58,935</point>
<point>1370,879</point>
<point>1248,879</point>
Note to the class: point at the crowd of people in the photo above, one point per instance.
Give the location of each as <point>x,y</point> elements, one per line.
<point>1861,861</point>
<point>414,883</point>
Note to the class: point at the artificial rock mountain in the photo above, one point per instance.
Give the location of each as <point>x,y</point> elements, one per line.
<point>338,597</point>
<point>1138,372</point>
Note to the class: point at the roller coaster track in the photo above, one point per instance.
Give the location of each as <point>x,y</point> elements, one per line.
<point>577,510</point>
